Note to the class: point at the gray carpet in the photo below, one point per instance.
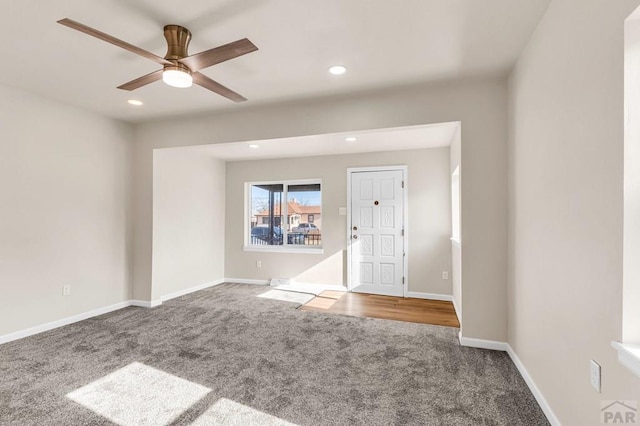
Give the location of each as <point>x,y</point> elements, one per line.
<point>224,356</point>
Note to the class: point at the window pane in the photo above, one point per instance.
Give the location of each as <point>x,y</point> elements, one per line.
<point>266,214</point>
<point>305,215</point>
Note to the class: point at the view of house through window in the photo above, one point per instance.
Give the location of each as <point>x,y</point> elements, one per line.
<point>285,214</point>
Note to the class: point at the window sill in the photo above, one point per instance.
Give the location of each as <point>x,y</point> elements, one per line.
<point>629,356</point>
<point>280,249</point>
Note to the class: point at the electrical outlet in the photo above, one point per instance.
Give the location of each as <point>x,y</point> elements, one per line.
<point>259,264</point>
<point>595,375</point>
<point>66,290</point>
<point>445,275</point>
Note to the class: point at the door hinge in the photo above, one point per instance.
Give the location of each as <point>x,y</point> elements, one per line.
<point>403,232</point>
<point>403,184</point>
<point>402,280</point>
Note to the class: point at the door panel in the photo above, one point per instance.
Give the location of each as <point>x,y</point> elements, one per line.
<point>377,215</point>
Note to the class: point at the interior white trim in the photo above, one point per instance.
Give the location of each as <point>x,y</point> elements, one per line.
<point>405,179</point>
<point>546,408</point>
<point>145,303</point>
<point>629,356</point>
<point>247,281</point>
<point>483,344</point>
<point>191,290</point>
<point>455,308</point>
<point>62,322</point>
<point>429,296</point>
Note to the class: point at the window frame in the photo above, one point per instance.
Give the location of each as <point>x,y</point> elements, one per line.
<point>285,247</point>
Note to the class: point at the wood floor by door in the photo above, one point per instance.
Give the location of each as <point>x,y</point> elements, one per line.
<point>423,311</point>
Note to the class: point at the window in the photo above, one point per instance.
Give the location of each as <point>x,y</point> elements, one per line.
<point>284,215</point>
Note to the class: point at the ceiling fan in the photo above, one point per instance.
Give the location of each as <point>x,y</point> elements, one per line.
<point>179,69</point>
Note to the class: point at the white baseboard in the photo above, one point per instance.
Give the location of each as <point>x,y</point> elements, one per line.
<point>101,311</point>
<point>62,322</point>
<point>455,308</point>
<point>190,290</point>
<point>546,408</point>
<point>483,344</point>
<point>246,281</point>
<point>430,296</point>
<point>145,303</point>
<point>502,346</point>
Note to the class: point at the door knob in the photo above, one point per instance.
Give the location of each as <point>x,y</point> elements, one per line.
<point>376,203</point>
<point>355,228</point>
<point>355,237</point>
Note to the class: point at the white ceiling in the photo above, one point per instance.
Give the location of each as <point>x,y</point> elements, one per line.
<point>383,43</point>
<point>399,138</point>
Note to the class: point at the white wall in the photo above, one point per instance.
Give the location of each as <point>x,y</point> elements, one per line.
<point>479,104</point>
<point>455,162</point>
<point>566,206</point>
<point>188,220</point>
<point>429,217</point>
<point>64,211</point>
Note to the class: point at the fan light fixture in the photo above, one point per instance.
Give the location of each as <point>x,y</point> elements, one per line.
<point>351,139</point>
<point>179,69</point>
<point>177,77</point>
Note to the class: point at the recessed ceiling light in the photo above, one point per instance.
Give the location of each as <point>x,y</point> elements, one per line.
<point>351,139</point>
<point>338,69</point>
<point>254,146</point>
<point>135,102</point>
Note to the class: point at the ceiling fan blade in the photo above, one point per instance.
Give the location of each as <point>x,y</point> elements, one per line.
<point>218,54</point>
<point>207,83</point>
<point>142,81</point>
<point>115,41</point>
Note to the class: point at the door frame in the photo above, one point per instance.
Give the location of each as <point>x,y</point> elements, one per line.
<point>405,217</point>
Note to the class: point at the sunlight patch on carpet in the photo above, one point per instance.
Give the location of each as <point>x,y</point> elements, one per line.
<point>139,395</point>
<point>320,303</point>
<point>227,412</point>
<point>287,296</point>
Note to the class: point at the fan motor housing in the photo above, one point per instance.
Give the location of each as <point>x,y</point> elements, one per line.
<point>178,38</point>
<point>177,67</point>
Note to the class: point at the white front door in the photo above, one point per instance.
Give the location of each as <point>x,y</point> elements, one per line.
<point>377,222</point>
